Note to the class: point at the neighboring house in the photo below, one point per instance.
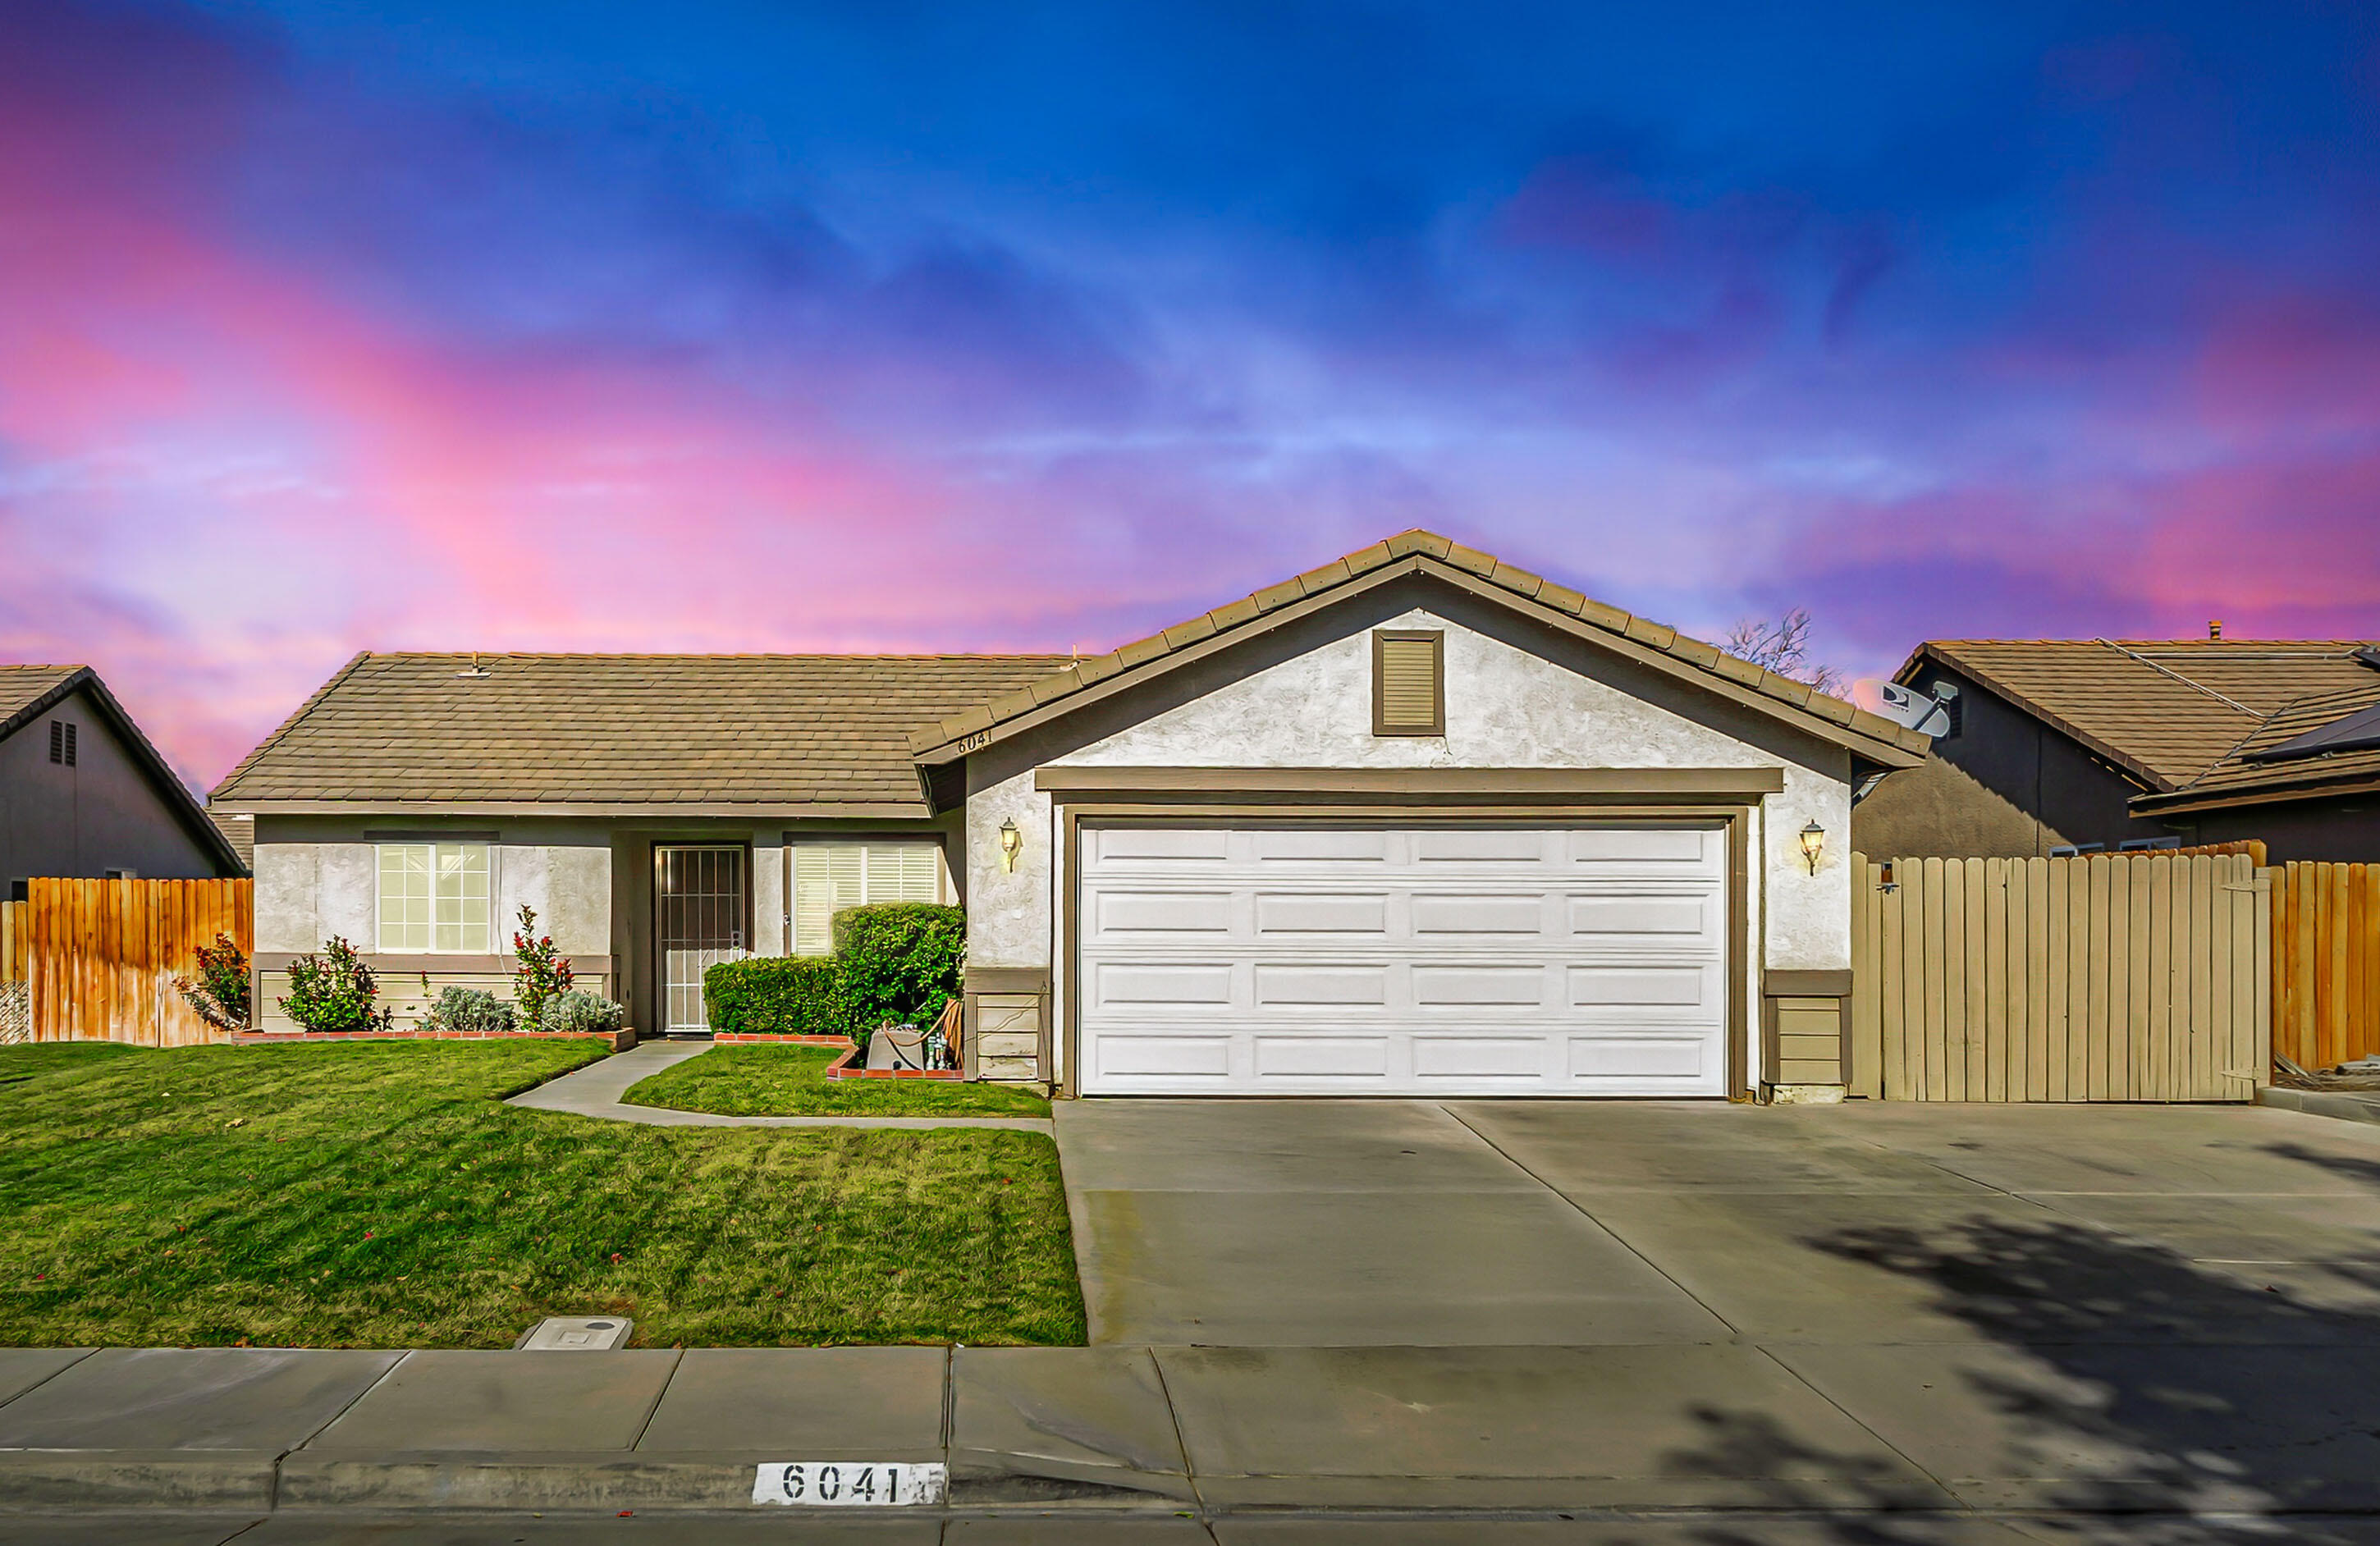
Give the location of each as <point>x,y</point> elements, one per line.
<point>2055,745</point>
<point>82,793</point>
<point>1416,822</point>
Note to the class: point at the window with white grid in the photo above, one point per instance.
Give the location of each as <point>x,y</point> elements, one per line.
<point>433,898</point>
<point>828,877</point>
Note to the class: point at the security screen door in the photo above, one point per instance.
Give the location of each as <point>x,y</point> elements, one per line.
<point>699,909</point>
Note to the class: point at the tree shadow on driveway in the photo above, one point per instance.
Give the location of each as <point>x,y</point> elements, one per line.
<point>2118,1390</point>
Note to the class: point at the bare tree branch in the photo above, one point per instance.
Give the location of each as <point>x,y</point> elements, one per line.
<point>1783,646</point>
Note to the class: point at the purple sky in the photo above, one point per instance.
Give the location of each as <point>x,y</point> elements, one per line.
<point>885,326</point>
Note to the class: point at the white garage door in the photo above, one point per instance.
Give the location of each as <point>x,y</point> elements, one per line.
<point>1454,959</point>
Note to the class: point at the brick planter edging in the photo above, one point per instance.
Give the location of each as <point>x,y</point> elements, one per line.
<point>840,1067</point>
<point>621,1040</point>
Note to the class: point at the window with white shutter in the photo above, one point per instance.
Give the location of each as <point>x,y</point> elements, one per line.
<point>828,877</point>
<point>1408,683</point>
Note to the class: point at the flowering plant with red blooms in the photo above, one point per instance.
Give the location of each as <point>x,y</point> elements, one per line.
<point>542,970</point>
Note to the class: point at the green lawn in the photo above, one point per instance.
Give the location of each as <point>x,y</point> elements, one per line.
<point>377,1195</point>
<point>764,1081</point>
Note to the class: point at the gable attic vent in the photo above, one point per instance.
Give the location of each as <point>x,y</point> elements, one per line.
<point>1408,683</point>
<point>62,742</point>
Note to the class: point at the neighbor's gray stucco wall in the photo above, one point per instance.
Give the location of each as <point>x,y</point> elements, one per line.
<point>1505,708</point>
<point>328,884</point>
<point>101,814</point>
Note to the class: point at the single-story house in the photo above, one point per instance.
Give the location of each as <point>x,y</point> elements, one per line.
<point>83,795</point>
<point>1416,822</point>
<point>2047,746</point>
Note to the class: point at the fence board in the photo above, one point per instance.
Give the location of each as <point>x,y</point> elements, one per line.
<point>2110,978</point>
<point>101,956</point>
<point>2325,986</point>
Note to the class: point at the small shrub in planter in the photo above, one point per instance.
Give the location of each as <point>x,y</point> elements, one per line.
<point>471,1011</point>
<point>540,971</point>
<point>220,992</point>
<point>900,960</point>
<point>579,1010</point>
<point>778,996</point>
<point>334,991</point>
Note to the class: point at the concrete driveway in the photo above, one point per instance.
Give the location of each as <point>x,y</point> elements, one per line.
<point>1500,1223</point>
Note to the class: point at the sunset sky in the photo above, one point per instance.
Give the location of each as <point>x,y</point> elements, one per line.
<point>893,326</point>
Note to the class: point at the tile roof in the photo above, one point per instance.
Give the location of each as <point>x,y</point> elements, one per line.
<point>23,687</point>
<point>2169,709</point>
<point>1426,551</point>
<point>2246,777</point>
<point>611,730</point>
<point>240,832</point>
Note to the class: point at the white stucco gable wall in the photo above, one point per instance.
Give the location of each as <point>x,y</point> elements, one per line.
<point>1505,708</point>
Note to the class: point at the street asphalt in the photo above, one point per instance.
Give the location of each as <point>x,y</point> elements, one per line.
<point>1424,1322</point>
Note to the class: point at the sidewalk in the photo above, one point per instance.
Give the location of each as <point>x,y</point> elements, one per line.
<point>595,1091</point>
<point>1136,1428</point>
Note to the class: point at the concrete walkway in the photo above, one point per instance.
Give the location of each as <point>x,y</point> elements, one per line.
<point>595,1091</point>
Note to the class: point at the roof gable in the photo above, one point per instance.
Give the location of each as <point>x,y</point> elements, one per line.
<point>29,692</point>
<point>1424,554</point>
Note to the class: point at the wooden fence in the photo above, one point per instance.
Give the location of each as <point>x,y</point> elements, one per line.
<point>2326,963</point>
<point>102,955</point>
<point>2110,977</point>
<point>12,941</point>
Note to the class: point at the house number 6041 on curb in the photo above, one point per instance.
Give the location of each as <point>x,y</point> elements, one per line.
<point>849,1483</point>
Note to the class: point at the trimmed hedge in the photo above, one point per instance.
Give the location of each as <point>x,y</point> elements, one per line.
<point>894,960</point>
<point>777,995</point>
<point>900,960</point>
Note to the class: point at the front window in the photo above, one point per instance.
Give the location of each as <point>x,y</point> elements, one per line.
<point>433,898</point>
<point>828,877</point>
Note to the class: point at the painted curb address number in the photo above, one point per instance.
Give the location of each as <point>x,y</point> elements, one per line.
<point>849,1484</point>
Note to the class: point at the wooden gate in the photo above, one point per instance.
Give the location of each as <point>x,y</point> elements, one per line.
<point>2326,963</point>
<point>2111,977</point>
<point>101,956</point>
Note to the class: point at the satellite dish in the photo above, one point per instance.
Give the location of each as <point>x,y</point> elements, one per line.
<point>1919,712</point>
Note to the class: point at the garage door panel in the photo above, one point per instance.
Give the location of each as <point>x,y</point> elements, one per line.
<point>1637,1056</point>
<point>1304,913</point>
<point>1326,844</point>
<point>1159,847</point>
<point>1165,1056</point>
<point>1479,1055</point>
<point>1641,913</point>
<point>1353,1057</point>
<point>1645,987</point>
<point>1521,913</point>
<point>1289,982</point>
<point>1388,960</point>
<point>1163,914</point>
<point>1489,845</point>
<point>1206,985</point>
<point>1652,846</point>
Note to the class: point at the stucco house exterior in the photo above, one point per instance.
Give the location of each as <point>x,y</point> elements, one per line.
<point>83,795</point>
<point>1416,821</point>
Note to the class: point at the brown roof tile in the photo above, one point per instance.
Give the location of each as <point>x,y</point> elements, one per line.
<point>2170,709</point>
<point>758,730</point>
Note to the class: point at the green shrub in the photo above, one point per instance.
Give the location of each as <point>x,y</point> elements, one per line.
<point>219,993</point>
<point>470,1010</point>
<point>778,996</point>
<point>900,960</point>
<point>540,971</point>
<point>577,1009</point>
<point>334,991</point>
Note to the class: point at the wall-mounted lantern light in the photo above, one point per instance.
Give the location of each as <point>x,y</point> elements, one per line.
<point>1813,841</point>
<point>1011,840</point>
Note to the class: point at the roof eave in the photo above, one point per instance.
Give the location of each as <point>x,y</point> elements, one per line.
<point>2157,782</point>
<point>2183,801</point>
<point>812,810</point>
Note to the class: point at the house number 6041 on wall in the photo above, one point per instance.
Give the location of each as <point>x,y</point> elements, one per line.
<point>849,1484</point>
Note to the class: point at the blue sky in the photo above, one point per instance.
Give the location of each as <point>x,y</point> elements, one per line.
<point>925,327</point>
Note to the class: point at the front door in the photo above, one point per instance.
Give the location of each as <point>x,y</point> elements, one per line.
<point>699,910</point>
